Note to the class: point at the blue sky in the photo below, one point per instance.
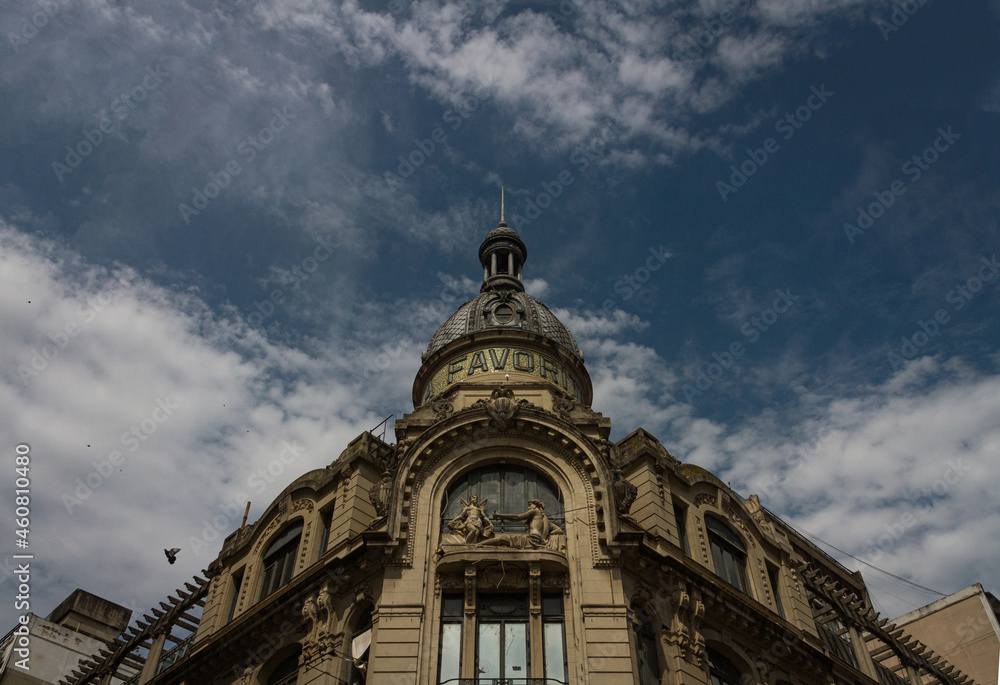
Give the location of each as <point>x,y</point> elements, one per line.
<point>228,230</point>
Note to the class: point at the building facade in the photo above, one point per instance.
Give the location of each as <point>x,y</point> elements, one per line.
<point>503,538</point>
<point>964,628</point>
<point>44,650</point>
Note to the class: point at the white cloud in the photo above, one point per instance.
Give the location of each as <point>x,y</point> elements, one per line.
<point>145,413</point>
<point>902,474</point>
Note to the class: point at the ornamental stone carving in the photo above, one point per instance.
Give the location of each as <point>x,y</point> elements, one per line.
<point>624,492</point>
<point>684,631</point>
<point>320,616</point>
<point>471,526</point>
<point>501,407</point>
<point>540,529</point>
<point>501,575</point>
<point>380,496</point>
<point>703,499</point>
<point>442,409</point>
<point>563,406</point>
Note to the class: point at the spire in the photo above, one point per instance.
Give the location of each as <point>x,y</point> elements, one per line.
<point>502,254</point>
<point>502,222</point>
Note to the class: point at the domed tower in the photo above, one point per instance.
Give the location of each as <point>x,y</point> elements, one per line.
<point>503,334</point>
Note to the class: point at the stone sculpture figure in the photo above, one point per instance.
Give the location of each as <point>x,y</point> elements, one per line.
<point>472,523</point>
<point>381,495</point>
<point>539,529</point>
<point>625,493</point>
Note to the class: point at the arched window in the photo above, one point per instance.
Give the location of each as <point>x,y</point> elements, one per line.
<point>721,670</point>
<point>361,640</point>
<point>728,553</point>
<point>279,559</point>
<point>508,488</point>
<point>647,662</point>
<point>286,672</point>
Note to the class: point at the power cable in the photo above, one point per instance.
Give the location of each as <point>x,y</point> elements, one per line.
<point>880,570</point>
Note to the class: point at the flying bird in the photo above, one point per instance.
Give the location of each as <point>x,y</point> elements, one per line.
<point>172,554</point>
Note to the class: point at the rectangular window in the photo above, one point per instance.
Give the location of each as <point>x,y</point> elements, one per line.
<point>502,637</point>
<point>554,637</point>
<point>325,518</point>
<point>680,516</point>
<point>450,659</point>
<point>234,600</point>
<point>772,575</point>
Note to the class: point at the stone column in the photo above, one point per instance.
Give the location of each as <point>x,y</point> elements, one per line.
<point>152,658</point>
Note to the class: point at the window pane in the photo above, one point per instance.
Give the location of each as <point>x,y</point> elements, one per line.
<point>552,605</point>
<point>508,489</point>
<point>516,650</point>
<point>451,651</point>
<point>681,516</point>
<point>515,492</point>
<point>772,575</point>
<point>722,530</point>
<point>489,650</point>
<point>555,651</point>
<point>489,487</point>
<point>452,605</point>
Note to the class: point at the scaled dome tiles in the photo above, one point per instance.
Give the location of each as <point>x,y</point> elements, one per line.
<point>504,309</point>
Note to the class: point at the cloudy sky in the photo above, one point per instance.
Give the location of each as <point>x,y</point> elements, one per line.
<point>227,230</point>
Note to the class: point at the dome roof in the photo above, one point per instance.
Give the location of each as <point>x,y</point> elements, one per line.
<point>499,310</point>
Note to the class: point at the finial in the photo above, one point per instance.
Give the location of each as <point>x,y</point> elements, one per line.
<point>501,204</point>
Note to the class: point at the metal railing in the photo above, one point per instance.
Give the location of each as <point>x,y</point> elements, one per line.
<point>175,654</point>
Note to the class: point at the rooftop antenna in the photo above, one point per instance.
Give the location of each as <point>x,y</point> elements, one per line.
<point>501,204</point>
